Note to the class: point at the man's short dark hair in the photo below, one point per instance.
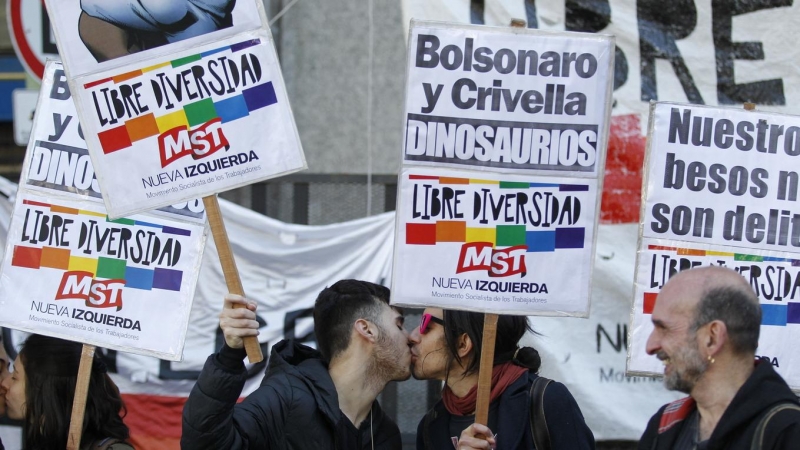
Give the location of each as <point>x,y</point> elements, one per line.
<point>338,306</point>
<point>738,309</point>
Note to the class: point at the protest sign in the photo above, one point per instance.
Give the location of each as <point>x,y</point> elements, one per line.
<point>505,139</point>
<point>69,271</point>
<point>156,82</point>
<point>497,243</point>
<point>125,284</point>
<point>495,99</point>
<point>515,101</point>
<point>720,190</point>
<point>200,111</point>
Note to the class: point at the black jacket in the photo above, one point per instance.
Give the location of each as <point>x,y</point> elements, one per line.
<point>568,430</point>
<point>735,429</point>
<point>296,406</point>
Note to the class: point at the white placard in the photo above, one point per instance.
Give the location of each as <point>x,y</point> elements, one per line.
<point>507,99</point>
<point>721,189</point>
<point>127,285</point>
<point>203,111</point>
<point>488,242</point>
<point>505,140</point>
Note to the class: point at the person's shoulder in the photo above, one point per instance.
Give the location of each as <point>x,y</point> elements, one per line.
<point>554,388</point>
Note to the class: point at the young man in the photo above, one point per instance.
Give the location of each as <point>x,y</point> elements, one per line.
<point>447,347</point>
<point>706,326</point>
<point>308,399</point>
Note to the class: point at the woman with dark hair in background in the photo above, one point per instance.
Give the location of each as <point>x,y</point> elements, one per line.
<point>41,389</point>
<point>4,362</point>
<point>447,347</point>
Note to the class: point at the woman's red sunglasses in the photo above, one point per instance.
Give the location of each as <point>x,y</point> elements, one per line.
<point>426,321</point>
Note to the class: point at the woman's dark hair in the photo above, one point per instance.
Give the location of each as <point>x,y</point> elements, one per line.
<point>510,330</point>
<point>51,372</point>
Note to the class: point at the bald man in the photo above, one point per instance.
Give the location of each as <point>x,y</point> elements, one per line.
<point>706,325</point>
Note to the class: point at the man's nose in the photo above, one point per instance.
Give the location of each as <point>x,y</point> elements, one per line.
<point>653,344</point>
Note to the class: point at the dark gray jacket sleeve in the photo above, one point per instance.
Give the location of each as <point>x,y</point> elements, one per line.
<point>213,420</point>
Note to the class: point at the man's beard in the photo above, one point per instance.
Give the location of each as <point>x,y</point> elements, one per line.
<point>694,366</point>
<point>387,361</point>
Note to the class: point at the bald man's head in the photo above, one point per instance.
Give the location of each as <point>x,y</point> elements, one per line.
<point>717,293</point>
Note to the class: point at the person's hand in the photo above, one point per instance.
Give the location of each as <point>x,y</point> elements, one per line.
<point>469,439</point>
<point>238,320</point>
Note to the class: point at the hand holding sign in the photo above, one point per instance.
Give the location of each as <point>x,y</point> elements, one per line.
<point>470,438</point>
<point>238,320</point>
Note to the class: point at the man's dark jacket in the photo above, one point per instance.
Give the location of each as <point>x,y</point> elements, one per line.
<point>735,429</point>
<point>296,406</point>
<point>568,430</point>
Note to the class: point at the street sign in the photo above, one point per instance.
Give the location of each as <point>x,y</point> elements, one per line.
<point>31,35</point>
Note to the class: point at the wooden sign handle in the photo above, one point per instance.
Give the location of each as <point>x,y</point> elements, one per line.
<point>487,349</point>
<point>79,402</point>
<point>232,279</point>
<point>485,373</point>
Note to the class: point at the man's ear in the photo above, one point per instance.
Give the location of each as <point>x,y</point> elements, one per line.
<point>714,337</point>
<point>365,329</point>
<point>464,345</point>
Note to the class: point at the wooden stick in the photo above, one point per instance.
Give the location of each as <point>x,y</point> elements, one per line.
<point>229,270</point>
<point>79,402</point>
<point>485,373</point>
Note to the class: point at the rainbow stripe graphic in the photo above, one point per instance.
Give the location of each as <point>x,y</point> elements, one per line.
<point>499,235</point>
<point>771,314</point>
<point>101,267</point>
<point>191,114</point>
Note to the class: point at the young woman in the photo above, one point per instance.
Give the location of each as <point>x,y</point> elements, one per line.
<point>40,391</point>
<point>447,347</point>
<point>3,374</point>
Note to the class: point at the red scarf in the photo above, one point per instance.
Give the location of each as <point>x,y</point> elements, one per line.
<point>502,377</point>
